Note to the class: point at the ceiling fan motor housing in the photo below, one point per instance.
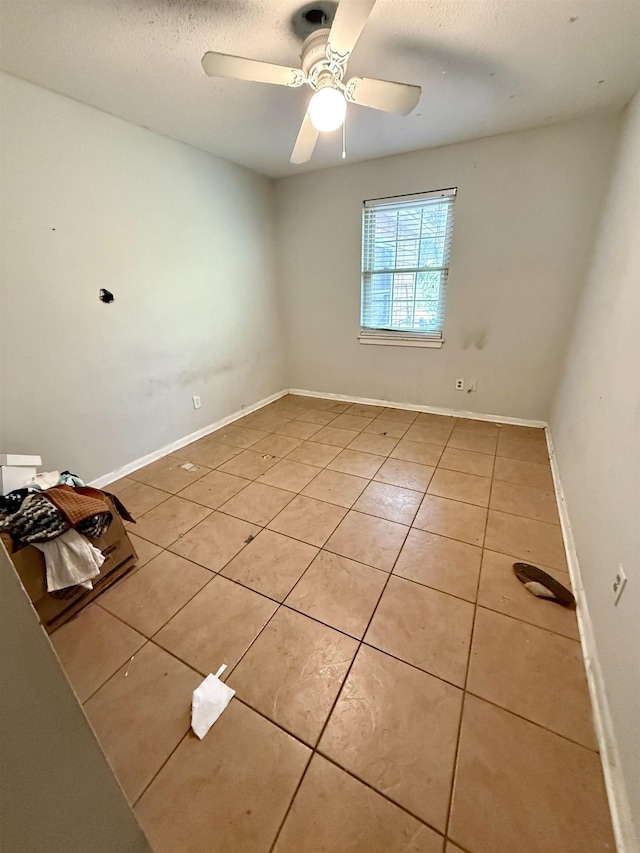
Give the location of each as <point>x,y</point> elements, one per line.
<point>315,64</point>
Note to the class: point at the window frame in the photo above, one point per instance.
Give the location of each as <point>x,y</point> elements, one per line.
<point>404,337</point>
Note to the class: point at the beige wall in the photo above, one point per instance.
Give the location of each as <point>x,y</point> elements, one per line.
<point>525,215</point>
<point>57,792</point>
<point>595,425</point>
<point>185,243</point>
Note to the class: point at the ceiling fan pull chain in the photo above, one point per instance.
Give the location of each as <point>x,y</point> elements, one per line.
<point>344,138</point>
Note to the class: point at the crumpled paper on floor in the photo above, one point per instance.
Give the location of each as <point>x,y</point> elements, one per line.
<point>209,700</point>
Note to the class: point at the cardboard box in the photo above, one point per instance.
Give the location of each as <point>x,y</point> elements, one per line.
<point>54,609</point>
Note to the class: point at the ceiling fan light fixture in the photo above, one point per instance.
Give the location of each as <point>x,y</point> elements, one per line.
<point>327,109</point>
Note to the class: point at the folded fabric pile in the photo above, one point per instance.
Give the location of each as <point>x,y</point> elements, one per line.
<point>57,521</point>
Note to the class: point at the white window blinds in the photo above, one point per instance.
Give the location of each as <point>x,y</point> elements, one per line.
<point>405,261</point>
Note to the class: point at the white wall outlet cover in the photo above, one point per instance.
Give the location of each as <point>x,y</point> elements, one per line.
<point>619,584</point>
<point>459,384</point>
<point>196,402</point>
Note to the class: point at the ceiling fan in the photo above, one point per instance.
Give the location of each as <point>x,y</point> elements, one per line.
<point>324,57</point>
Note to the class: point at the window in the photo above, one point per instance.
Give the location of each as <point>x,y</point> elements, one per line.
<point>405,262</point>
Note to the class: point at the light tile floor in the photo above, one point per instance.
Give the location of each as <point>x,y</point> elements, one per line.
<point>397,688</point>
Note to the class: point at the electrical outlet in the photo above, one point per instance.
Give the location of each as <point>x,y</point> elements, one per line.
<point>619,584</point>
<point>459,384</point>
<point>196,401</point>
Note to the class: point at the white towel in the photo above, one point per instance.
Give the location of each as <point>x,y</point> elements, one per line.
<point>71,560</point>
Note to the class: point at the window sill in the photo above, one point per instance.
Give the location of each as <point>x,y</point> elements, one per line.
<point>385,341</point>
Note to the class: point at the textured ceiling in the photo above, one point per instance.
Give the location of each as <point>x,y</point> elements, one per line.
<point>485,66</point>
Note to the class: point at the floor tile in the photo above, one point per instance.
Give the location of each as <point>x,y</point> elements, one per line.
<point>336,488</point>
<point>209,453</point>
<point>312,453</point>
<point>118,486</point>
<point>404,416</point>
<point>308,519</point>
<point>527,540</point>
<point>214,489</point>
<point>299,429</point>
<point>381,426</point>
<point>334,406</point>
<point>334,813</point>
<point>430,419</point>
<point>169,475</point>
<point>236,436</point>
<point>524,473</point>
<point>367,539</point>
<point>352,422</point>
<point>249,464</point>
<point>315,416</point>
<point>543,794</point>
<point>335,436</point>
<point>501,590</point>
<point>258,503</point>
<point>479,427</point>
<point>150,597</point>
<point>407,475</point>
<point>466,461</point>
<point>292,476</point>
<point>215,541</point>
<point>415,451</point>
<point>424,627</point>
<point>271,564</point>
<point>364,410</point>
<point>539,504</point>
<point>423,434</point>
<point>464,439</point>
<point>92,646</point>
<point>452,848</point>
<point>206,799</point>
<point>401,739</point>
<point>141,714</point>
<point>140,498</point>
<point>467,488</point>
<point>266,421</point>
<point>532,672</point>
<point>166,522</point>
<point>217,626</point>
<point>145,550</point>
<point>277,445</point>
<point>524,451</point>
<point>382,445</point>
<point>293,672</point>
<point>441,563</point>
<point>357,463</point>
<point>453,519</point>
<point>523,433</point>
<point>390,502</point>
<point>338,592</point>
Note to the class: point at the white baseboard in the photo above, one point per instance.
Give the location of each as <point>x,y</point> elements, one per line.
<point>619,807</point>
<point>434,410</point>
<point>181,442</point>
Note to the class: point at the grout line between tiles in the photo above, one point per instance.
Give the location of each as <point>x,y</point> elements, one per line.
<point>338,694</point>
<point>466,677</point>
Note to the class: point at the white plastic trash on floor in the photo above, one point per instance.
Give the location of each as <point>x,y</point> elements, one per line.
<point>209,700</point>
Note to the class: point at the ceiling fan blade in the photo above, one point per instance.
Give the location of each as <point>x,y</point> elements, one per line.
<point>382,94</point>
<point>306,142</point>
<point>348,23</point>
<point>239,68</point>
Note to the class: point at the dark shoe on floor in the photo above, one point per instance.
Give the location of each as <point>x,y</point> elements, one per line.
<point>541,584</point>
